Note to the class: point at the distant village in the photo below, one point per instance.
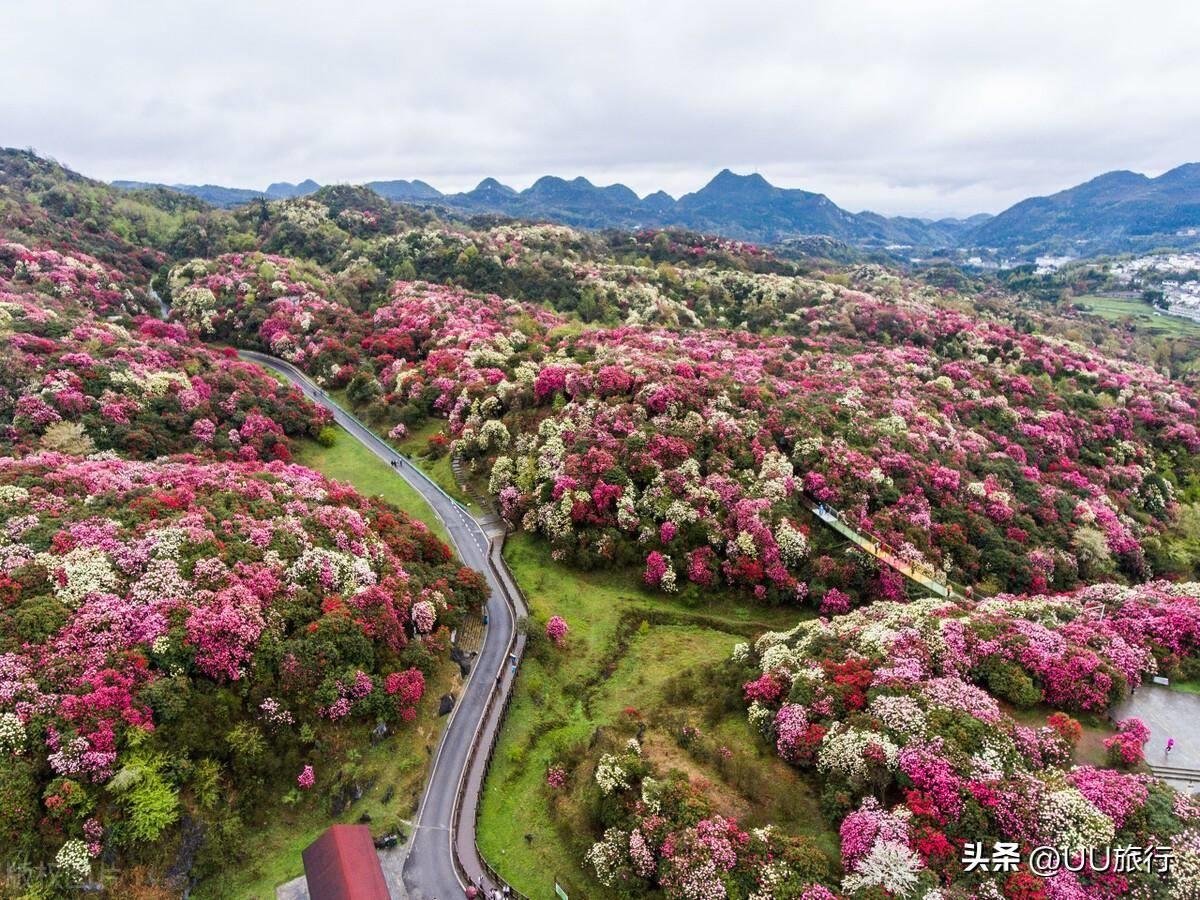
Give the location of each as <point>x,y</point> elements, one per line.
<point>1175,275</point>
<point>1169,280</point>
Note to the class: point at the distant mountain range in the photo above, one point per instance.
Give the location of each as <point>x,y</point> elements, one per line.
<point>1116,211</point>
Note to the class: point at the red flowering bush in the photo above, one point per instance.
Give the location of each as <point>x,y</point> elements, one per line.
<point>1125,748</point>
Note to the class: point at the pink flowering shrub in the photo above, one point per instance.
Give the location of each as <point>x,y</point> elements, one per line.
<point>229,617</point>
<point>960,442</point>
<point>306,778</point>
<point>144,388</point>
<point>1125,748</point>
<point>891,703</point>
<point>74,276</point>
<point>660,831</point>
<point>556,630</point>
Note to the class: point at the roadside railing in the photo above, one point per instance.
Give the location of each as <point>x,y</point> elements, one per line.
<point>518,605</point>
<point>275,362</point>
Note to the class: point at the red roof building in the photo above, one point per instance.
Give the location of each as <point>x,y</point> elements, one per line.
<point>342,865</point>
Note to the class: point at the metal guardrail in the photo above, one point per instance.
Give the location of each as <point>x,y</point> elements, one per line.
<point>515,650</point>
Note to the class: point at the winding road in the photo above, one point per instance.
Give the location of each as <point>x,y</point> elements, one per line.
<point>442,856</point>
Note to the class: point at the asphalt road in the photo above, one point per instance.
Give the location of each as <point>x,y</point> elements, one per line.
<point>429,873</point>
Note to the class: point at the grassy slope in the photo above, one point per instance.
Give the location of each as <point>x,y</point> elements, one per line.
<point>349,461</point>
<point>1146,317</point>
<point>587,686</point>
<point>398,764</point>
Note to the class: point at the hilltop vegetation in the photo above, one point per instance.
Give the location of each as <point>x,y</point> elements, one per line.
<point>1114,212</point>
<point>977,448</point>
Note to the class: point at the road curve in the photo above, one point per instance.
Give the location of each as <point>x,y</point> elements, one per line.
<point>442,856</point>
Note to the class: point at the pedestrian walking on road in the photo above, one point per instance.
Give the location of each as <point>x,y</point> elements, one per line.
<point>1170,745</point>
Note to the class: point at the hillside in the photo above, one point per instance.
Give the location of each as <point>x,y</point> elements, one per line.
<point>194,632</point>
<point>1114,212</point>
<point>741,206</point>
<point>1117,210</point>
<point>668,422</point>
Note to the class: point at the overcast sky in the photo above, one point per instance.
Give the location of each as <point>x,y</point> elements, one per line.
<point>921,108</point>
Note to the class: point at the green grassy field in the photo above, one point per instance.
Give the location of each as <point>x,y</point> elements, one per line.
<point>607,667</point>
<point>1146,317</point>
<point>1187,687</point>
<point>349,461</point>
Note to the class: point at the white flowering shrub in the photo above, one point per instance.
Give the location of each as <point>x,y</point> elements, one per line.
<point>73,861</point>
<point>843,752</point>
<point>890,865</point>
<point>1069,819</point>
<point>607,856</point>
<point>793,545</point>
<point>12,734</point>
<point>610,776</point>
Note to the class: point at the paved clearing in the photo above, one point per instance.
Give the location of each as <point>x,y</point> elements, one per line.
<point>1168,714</point>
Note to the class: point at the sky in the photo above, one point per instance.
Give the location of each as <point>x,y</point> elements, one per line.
<point>914,108</point>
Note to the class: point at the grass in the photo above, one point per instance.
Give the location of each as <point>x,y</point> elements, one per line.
<point>1187,687</point>
<point>349,461</point>
<point>625,644</point>
<point>1144,316</point>
<point>438,470</point>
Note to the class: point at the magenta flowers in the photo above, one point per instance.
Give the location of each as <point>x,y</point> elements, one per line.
<point>556,630</point>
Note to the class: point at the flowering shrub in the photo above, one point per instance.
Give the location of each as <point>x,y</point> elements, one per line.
<point>660,833</point>
<point>889,701</point>
<point>306,778</point>
<point>173,627</point>
<point>556,630</point>
<point>73,861</point>
<point>971,447</point>
<point>1125,748</point>
<point>75,381</point>
<point>71,276</point>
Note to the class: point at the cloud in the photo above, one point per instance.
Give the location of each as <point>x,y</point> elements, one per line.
<point>924,107</point>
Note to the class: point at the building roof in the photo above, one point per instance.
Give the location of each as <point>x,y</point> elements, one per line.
<point>342,865</point>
